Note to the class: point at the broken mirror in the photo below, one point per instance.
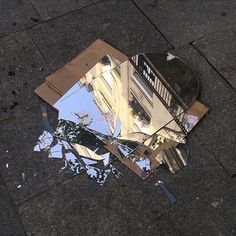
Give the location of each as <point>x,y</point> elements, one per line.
<point>137,112</point>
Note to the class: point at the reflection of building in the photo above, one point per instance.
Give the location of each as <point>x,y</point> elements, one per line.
<point>138,93</point>
<point>170,87</point>
<point>102,80</point>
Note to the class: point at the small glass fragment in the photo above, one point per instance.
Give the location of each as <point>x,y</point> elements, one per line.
<point>56,151</point>
<point>97,175</point>
<point>115,172</point>
<point>45,140</point>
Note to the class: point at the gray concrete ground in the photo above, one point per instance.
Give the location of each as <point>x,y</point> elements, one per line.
<point>48,33</point>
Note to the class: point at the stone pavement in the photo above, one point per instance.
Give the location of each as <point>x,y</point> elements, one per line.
<point>36,38</point>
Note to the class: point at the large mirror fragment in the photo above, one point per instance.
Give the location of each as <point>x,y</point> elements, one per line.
<point>137,112</point>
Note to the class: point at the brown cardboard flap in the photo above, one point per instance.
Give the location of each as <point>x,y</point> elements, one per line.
<point>197,109</point>
<point>62,80</point>
<point>47,93</point>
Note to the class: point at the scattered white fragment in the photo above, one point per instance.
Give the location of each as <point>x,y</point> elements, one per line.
<point>170,57</point>
<point>19,186</point>
<point>23,176</point>
<point>7,165</point>
<point>7,151</point>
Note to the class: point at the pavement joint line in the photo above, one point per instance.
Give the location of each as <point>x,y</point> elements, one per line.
<point>35,9</point>
<point>70,12</point>
<point>48,20</point>
<point>214,68</point>
<point>211,33</point>
<point>18,31</point>
<point>214,108</point>
<point>198,39</point>
<point>213,155</point>
<point>18,114</point>
<point>200,195</point>
<point>144,14</point>
<point>55,185</point>
<point>37,47</point>
<point>13,204</point>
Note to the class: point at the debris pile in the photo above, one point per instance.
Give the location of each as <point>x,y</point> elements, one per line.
<point>113,108</point>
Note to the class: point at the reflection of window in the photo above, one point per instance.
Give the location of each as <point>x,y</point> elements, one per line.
<point>106,102</point>
<point>106,61</point>
<point>138,111</point>
<point>107,77</point>
<point>142,85</point>
<point>117,70</point>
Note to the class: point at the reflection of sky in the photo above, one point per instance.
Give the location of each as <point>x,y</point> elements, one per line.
<point>79,100</point>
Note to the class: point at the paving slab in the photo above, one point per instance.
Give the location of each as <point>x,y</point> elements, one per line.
<point>218,132</point>
<point>217,129</point>
<point>25,172</point>
<point>144,196</point>
<point>20,73</point>
<point>10,221</point>
<point>81,207</point>
<point>49,9</point>
<point>16,15</point>
<point>219,48</point>
<point>213,89</point>
<point>163,226</point>
<point>211,214</point>
<point>62,39</point>
<point>185,21</point>
<point>201,174</point>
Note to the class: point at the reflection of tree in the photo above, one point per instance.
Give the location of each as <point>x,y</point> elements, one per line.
<point>97,175</point>
<point>77,133</point>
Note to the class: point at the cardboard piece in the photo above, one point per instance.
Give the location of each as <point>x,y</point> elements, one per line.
<point>197,109</point>
<point>62,80</point>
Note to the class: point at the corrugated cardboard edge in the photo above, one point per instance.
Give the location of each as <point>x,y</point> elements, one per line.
<point>62,80</point>
<point>198,109</point>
